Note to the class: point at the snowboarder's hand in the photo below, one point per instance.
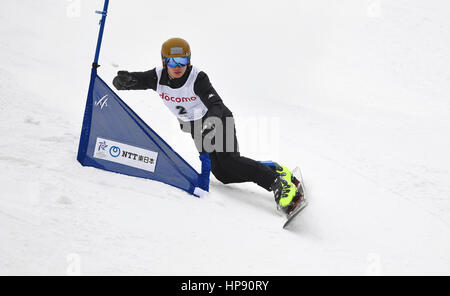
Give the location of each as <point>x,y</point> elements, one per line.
<point>207,128</point>
<point>124,80</point>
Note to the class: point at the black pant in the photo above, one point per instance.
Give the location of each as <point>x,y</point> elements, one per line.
<point>230,167</point>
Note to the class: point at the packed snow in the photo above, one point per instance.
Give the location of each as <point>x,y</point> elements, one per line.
<point>356,93</point>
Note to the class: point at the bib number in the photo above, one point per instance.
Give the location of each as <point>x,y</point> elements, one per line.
<point>181,110</point>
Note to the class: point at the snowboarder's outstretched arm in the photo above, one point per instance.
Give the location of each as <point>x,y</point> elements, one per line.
<point>136,80</point>
<point>149,79</point>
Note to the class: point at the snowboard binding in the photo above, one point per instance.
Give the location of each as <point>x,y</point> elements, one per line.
<point>296,201</point>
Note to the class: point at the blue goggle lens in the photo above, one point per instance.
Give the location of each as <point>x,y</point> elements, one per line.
<point>177,62</point>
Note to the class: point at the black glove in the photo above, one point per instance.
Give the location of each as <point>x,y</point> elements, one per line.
<point>207,128</point>
<point>124,80</point>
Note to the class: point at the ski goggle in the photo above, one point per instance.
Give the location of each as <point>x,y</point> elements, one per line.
<point>177,62</point>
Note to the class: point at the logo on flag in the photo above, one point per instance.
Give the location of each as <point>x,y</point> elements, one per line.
<point>103,102</point>
<point>126,154</point>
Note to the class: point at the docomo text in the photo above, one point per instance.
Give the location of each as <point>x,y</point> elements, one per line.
<point>164,96</point>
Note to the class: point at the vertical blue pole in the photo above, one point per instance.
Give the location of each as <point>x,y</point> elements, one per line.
<point>100,34</point>
<point>206,170</point>
<point>86,128</point>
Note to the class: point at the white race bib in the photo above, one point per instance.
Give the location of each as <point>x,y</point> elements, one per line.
<point>183,102</point>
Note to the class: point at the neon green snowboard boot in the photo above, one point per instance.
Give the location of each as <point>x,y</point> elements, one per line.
<point>285,190</point>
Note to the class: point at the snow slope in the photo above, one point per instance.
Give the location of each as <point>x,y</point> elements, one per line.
<point>359,90</point>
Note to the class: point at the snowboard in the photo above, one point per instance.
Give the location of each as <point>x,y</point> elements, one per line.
<point>302,203</point>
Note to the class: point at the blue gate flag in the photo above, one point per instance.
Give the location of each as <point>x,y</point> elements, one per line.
<point>115,138</point>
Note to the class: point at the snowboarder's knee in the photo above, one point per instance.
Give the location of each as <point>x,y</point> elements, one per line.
<point>220,175</point>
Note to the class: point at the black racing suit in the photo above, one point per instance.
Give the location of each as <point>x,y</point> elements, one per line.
<point>227,166</point>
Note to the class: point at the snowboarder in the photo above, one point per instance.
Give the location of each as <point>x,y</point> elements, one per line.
<point>188,93</point>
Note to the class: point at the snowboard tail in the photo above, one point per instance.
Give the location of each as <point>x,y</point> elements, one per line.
<point>301,202</point>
